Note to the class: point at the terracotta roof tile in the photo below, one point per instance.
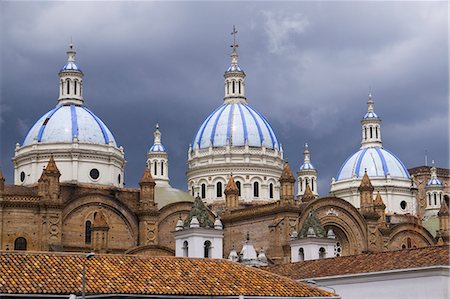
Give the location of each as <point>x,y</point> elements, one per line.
<point>366,263</point>
<point>60,273</point>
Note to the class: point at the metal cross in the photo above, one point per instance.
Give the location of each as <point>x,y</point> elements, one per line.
<point>234,45</point>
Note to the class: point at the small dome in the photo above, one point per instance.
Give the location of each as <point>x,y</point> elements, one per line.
<point>306,166</point>
<point>65,122</point>
<point>370,115</point>
<point>377,161</point>
<point>235,124</point>
<point>70,66</point>
<point>157,148</point>
<point>434,182</point>
<point>234,68</point>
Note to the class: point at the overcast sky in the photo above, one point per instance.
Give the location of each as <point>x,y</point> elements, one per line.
<point>309,66</point>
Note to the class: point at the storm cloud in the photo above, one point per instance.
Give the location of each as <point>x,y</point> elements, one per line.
<point>309,66</point>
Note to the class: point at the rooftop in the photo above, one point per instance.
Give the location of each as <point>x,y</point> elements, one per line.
<point>366,263</point>
<point>60,273</point>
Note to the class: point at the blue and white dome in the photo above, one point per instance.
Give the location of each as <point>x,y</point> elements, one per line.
<point>307,166</point>
<point>370,114</point>
<point>377,161</point>
<point>157,148</point>
<point>434,182</point>
<point>65,122</point>
<point>70,66</point>
<point>235,124</point>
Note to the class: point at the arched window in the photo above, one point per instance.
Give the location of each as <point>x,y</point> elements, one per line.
<point>300,180</point>
<point>155,167</point>
<point>239,87</point>
<point>228,87</point>
<point>270,190</point>
<point>238,184</point>
<point>219,189</point>
<point>301,255</point>
<point>312,184</point>
<point>371,134</point>
<point>365,133</point>
<point>62,87</point>
<point>429,199</point>
<point>376,132</point>
<point>20,244</point>
<point>256,189</point>
<point>306,182</point>
<point>440,198</point>
<point>162,167</point>
<point>207,249</point>
<point>185,248</point>
<point>321,253</point>
<point>203,191</point>
<point>435,199</point>
<point>192,190</point>
<point>87,232</point>
<point>75,87</point>
<point>68,86</point>
<point>408,243</point>
<point>233,87</point>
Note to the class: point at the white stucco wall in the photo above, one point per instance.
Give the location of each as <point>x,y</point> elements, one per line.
<point>421,283</point>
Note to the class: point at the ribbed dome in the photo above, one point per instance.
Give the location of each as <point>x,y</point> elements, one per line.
<point>377,161</point>
<point>65,122</point>
<point>157,148</point>
<point>434,182</point>
<point>235,124</point>
<point>71,66</point>
<point>306,166</point>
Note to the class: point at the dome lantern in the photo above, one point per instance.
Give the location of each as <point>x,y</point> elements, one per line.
<point>71,81</point>
<point>234,77</point>
<point>371,133</point>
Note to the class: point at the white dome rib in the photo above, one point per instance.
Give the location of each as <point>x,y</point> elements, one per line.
<point>235,124</point>
<point>65,122</point>
<point>377,161</point>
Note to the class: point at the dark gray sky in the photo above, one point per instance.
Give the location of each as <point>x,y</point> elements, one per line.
<point>309,66</point>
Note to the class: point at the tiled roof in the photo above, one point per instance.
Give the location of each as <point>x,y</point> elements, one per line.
<point>366,263</point>
<point>60,273</point>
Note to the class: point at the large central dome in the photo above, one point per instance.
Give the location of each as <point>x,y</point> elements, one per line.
<point>235,124</point>
<point>237,140</point>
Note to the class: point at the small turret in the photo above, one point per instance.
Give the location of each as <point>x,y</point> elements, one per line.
<point>231,194</point>
<point>443,234</point>
<point>147,190</point>
<point>158,160</point>
<point>48,183</point>
<point>307,175</point>
<point>287,182</point>
<point>366,189</point>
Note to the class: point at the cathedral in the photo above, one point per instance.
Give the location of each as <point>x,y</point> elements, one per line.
<point>242,200</point>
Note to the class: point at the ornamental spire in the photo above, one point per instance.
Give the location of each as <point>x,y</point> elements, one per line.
<point>306,154</point>
<point>157,135</point>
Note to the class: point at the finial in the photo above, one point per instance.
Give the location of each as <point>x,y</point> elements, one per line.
<point>248,236</point>
<point>432,162</point>
<point>233,33</point>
